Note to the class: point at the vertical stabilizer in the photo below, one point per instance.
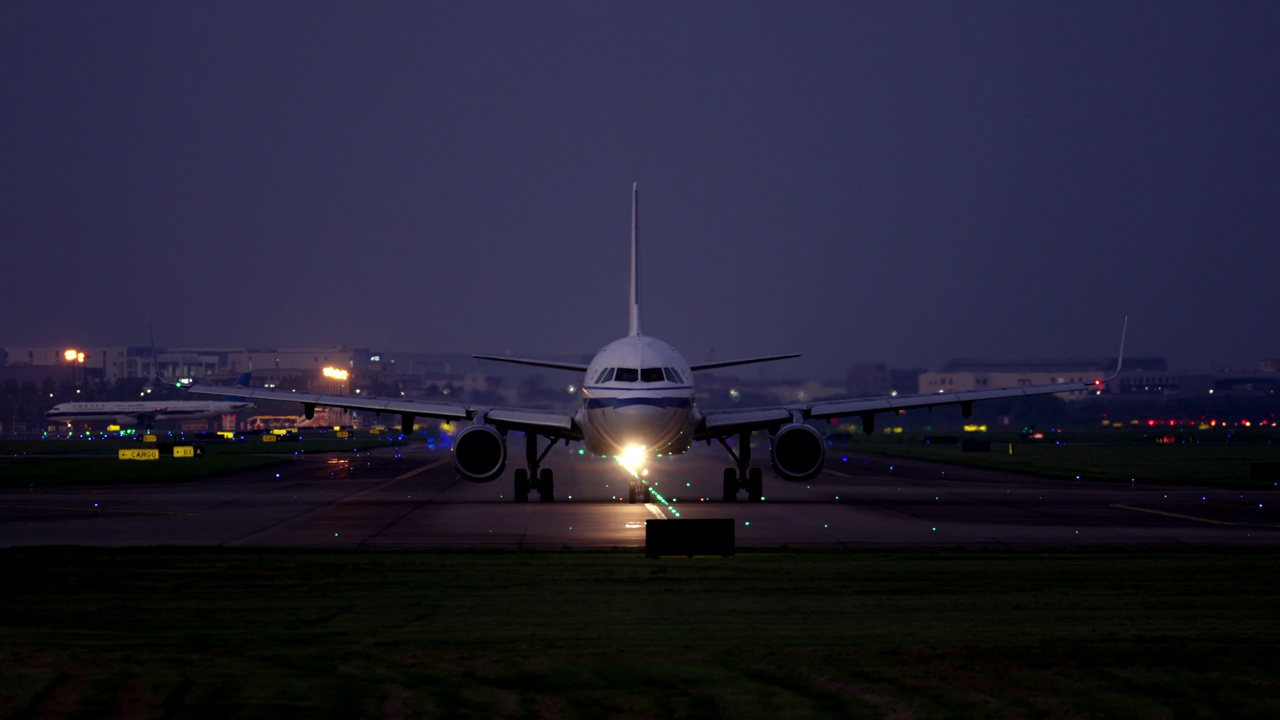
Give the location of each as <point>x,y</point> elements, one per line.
<point>635,264</point>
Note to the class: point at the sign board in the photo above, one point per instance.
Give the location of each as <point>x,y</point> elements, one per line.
<point>703,536</point>
<point>343,434</point>
<point>227,434</point>
<point>283,431</point>
<point>269,438</point>
<point>148,438</point>
<point>139,454</point>
<point>184,451</point>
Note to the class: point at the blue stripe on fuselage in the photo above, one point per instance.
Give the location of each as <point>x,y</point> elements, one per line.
<point>630,387</point>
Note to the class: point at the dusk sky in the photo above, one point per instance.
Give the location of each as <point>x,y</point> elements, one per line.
<point>903,182</point>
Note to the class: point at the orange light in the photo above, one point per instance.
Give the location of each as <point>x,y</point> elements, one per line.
<point>70,355</point>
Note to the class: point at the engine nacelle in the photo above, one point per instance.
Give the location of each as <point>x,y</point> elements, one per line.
<point>798,452</point>
<point>479,453</point>
<point>126,420</point>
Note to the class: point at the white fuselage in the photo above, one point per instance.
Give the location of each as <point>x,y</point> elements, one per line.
<point>134,413</point>
<point>637,392</point>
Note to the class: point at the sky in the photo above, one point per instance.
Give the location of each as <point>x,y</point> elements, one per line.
<point>902,182</point>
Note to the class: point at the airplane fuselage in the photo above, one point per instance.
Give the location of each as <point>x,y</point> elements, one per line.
<point>135,413</point>
<point>637,392</point>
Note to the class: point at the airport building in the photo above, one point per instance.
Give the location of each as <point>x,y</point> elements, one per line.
<point>969,374</point>
<point>456,376</point>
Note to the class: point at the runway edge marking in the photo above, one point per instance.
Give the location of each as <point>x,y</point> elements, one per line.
<point>423,469</point>
<point>1180,516</point>
<point>657,511</point>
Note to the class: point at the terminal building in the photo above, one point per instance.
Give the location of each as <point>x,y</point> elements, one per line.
<point>969,374</point>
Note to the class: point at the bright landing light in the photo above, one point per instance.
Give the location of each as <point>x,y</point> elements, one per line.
<point>632,459</point>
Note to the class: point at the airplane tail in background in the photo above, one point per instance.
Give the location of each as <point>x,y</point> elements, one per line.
<point>242,381</point>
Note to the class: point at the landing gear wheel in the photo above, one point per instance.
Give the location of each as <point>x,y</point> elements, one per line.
<point>631,495</point>
<point>546,485</point>
<point>730,485</point>
<point>522,485</point>
<point>755,484</point>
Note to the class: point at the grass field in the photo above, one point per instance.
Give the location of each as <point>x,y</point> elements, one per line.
<point>60,462</point>
<point>1208,458</point>
<point>268,633</point>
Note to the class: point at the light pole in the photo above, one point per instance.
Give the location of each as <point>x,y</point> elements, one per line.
<point>71,355</point>
<point>339,376</point>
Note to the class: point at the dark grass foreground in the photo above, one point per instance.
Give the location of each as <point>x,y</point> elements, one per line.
<point>270,633</point>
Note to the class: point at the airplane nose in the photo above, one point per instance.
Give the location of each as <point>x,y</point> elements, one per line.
<point>641,418</point>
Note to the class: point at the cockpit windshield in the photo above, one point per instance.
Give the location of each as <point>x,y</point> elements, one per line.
<point>648,375</point>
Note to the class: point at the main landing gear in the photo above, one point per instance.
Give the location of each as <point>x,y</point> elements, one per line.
<point>742,477</point>
<point>534,478</point>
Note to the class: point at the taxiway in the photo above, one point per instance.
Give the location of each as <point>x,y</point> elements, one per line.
<point>412,498</point>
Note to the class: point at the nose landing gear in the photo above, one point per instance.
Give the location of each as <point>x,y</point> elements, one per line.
<point>639,488</point>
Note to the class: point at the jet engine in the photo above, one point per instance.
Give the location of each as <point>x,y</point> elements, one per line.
<point>126,420</point>
<point>479,453</point>
<point>797,452</point>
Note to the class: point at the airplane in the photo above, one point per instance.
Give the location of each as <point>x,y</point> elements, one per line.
<point>129,413</point>
<point>637,401</point>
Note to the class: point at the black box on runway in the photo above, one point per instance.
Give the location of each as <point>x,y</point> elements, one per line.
<point>704,536</point>
<point>1264,471</point>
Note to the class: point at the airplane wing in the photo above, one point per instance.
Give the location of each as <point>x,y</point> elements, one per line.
<point>744,361</point>
<point>145,419</point>
<point>576,367</point>
<point>545,422</point>
<point>721,423</point>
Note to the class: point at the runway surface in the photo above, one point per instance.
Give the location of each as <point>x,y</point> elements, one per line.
<point>411,498</point>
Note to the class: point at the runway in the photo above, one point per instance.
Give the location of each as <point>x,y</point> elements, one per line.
<point>411,498</point>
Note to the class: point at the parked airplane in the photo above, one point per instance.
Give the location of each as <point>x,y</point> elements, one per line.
<point>637,401</point>
<point>142,412</point>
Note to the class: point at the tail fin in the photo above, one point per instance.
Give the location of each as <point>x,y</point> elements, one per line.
<point>242,381</point>
<point>635,263</point>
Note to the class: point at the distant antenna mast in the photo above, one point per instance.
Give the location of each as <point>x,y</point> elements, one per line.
<point>155,366</point>
<point>635,262</point>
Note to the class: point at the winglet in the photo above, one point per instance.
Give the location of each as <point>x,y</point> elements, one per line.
<point>635,263</point>
<point>1124,329</point>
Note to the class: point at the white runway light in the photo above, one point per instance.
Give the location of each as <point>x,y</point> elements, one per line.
<point>632,459</point>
